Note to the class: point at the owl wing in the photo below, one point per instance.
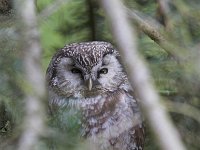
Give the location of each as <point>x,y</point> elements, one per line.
<point>137,136</point>
<point>137,133</point>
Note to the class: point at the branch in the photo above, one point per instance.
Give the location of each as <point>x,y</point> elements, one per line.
<point>163,11</point>
<point>184,109</point>
<point>140,78</point>
<point>91,17</point>
<point>33,123</point>
<point>179,53</point>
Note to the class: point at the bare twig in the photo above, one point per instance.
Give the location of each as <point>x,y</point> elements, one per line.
<point>139,77</point>
<point>91,12</point>
<point>33,124</point>
<point>179,53</point>
<point>184,109</point>
<point>186,11</point>
<point>163,11</point>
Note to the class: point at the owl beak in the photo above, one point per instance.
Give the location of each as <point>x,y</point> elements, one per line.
<point>90,84</point>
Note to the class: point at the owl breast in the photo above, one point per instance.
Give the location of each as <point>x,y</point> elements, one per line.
<point>109,120</point>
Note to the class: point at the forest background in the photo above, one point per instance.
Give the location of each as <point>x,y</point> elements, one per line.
<point>168,38</point>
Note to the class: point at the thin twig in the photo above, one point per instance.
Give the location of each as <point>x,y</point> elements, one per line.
<point>184,109</point>
<point>177,52</point>
<point>140,78</point>
<point>163,11</point>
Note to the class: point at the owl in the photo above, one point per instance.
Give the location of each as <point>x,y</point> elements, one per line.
<point>88,79</point>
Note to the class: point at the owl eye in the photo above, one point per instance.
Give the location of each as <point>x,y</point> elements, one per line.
<point>75,70</point>
<point>103,71</point>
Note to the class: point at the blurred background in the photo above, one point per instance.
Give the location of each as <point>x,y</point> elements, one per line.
<point>175,68</point>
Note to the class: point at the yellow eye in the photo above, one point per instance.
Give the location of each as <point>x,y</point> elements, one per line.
<point>75,70</point>
<point>103,71</point>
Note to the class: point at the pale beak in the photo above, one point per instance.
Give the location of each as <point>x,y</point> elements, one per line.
<point>90,84</point>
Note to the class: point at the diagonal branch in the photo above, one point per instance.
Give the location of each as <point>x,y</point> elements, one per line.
<point>140,78</point>
<point>177,52</point>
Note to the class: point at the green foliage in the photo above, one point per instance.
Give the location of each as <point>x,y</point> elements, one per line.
<point>70,23</point>
<point>66,126</point>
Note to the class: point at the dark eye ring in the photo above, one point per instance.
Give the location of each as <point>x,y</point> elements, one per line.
<point>75,70</point>
<point>103,71</point>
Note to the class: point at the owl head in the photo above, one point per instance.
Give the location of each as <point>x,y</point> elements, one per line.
<point>85,69</point>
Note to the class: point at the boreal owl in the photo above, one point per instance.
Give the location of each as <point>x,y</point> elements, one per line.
<point>88,78</point>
